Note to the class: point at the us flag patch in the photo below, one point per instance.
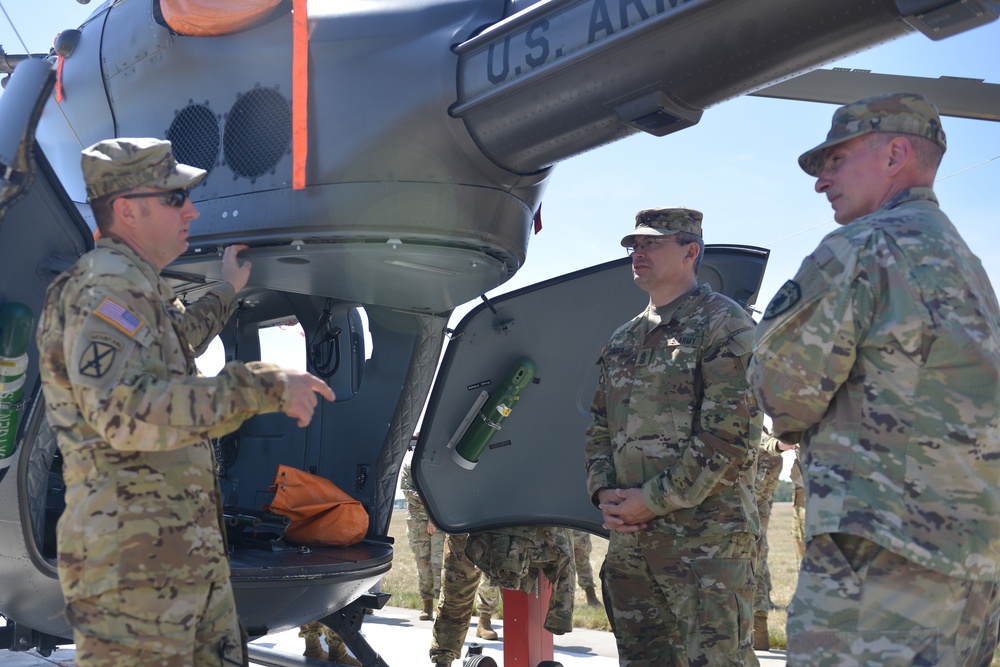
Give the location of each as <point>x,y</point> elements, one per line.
<point>118,315</point>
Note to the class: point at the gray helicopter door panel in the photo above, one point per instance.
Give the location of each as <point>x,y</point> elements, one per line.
<point>486,459</point>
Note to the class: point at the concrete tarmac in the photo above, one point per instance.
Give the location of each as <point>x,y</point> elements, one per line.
<point>402,640</point>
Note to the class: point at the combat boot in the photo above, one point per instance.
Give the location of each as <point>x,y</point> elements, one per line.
<point>314,648</point>
<point>761,639</point>
<point>338,652</point>
<point>592,597</point>
<point>428,613</point>
<point>484,630</point>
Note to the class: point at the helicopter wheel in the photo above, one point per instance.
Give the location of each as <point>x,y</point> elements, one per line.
<point>550,663</point>
<point>480,661</point>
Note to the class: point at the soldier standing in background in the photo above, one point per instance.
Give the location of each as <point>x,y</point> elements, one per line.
<point>881,359</point>
<point>582,548</point>
<point>312,632</point>
<point>670,460</point>
<point>141,558</point>
<point>768,469</point>
<point>460,582</point>
<point>798,503</point>
<point>427,543</point>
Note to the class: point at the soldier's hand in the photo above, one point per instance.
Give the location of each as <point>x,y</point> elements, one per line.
<point>304,388</point>
<point>624,510</point>
<point>234,271</point>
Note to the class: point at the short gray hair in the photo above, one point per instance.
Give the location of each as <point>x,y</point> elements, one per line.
<point>685,238</point>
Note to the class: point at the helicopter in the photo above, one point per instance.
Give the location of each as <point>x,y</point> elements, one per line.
<point>405,182</point>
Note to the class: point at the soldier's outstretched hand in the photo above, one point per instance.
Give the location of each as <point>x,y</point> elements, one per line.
<point>235,272</point>
<point>304,388</point>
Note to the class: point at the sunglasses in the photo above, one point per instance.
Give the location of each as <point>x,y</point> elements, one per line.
<point>652,244</point>
<point>175,198</point>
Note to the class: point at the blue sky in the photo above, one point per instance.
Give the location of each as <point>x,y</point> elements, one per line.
<point>738,165</point>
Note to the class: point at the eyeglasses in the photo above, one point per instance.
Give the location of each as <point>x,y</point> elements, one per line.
<point>175,198</point>
<point>651,244</point>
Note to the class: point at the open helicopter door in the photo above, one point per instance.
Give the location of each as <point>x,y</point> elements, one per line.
<point>531,355</point>
<point>501,442</point>
<point>41,234</point>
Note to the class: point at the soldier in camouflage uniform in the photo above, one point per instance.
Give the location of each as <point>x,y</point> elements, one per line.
<point>427,543</point>
<point>798,507</point>
<point>582,548</point>
<point>337,652</point>
<point>461,580</point>
<point>772,445</point>
<point>881,358</point>
<point>514,557</point>
<point>141,558</point>
<point>768,469</point>
<point>670,460</point>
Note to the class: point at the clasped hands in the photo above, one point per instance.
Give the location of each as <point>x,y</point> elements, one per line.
<point>624,510</point>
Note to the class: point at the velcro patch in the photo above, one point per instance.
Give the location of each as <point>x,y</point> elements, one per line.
<point>99,356</point>
<point>784,299</point>
<point>113,312</point>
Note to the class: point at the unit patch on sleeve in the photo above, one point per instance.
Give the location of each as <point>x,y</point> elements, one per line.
<point>99,356</point>
<point>113,312</point>
<point>783,300</point>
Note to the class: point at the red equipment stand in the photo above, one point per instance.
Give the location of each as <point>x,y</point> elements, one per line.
<point>525,641</point>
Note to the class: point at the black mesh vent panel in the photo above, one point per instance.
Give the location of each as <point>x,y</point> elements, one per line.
<point>194,135</point>
<point>258,132</point>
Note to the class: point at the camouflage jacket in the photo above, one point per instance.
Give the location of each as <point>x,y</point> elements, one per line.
<point>133,418</point>
<point>673,414</point>
<point>882,358</point>
<point>415,510</point>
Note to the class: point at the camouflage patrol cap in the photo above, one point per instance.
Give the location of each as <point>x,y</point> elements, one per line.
<point>895,113</point>
<point>116,165</point>
<point>664,222</point>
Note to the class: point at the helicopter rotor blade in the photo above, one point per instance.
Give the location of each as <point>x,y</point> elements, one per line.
<point>953,96</point>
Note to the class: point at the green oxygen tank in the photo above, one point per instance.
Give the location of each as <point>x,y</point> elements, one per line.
<point>495,410</point>
<point>16,322</point>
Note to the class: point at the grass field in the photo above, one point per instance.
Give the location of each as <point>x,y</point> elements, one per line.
<point>402,579</point>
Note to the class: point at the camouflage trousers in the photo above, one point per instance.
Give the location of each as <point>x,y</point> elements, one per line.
<point>681,601</point>
<point>428,552</point>
<point>582,547</point>
<point>859,604</point>
<point>315,630</point>
<point>460,582</point>
<point>799,521</point>
<point>767,483</point>
<point>179,626</point>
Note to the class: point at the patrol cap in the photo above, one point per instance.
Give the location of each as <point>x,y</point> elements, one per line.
<point>115,165</point>
<point>664,222</point>
<point>895,113</point>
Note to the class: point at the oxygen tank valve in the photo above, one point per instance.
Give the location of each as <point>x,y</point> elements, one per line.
<point>16,322</point>
<point>495,410</point>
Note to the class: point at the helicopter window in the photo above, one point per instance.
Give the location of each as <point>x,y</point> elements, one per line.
<point>212,359</point>
<point>362,318</point>
<point>283,343</point>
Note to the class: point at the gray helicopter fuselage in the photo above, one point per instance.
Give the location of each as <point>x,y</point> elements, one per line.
<point>433,127</point>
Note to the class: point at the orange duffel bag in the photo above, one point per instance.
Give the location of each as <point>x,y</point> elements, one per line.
<point>321,513</point>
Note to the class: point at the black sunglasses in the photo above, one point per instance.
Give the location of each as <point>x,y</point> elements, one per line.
<point>175,198</point>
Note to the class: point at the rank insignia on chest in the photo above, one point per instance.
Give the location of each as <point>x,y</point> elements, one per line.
<point>644,357</point>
